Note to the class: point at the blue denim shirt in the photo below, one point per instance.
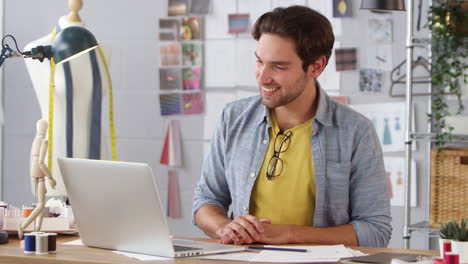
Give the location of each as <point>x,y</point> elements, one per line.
<point>350,178</point>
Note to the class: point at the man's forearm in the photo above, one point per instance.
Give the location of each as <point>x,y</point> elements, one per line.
<point>342,234</point>
<point>292,234</point>
<point>210,218</point>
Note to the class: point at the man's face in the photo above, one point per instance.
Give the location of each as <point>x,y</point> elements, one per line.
<point>279,71</point>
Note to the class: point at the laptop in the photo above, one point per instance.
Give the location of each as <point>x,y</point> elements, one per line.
<point>117,206</point>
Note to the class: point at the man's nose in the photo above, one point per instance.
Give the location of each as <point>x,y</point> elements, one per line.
<point>264,75</point>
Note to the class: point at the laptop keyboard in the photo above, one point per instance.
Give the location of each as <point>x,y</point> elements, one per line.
<point>184,248</point>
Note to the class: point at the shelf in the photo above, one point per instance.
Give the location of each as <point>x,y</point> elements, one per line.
<point>422,42</point>
<point>424,229</point>
<point>431,137</point>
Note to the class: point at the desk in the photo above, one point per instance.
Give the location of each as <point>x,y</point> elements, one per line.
<point>12,253</point>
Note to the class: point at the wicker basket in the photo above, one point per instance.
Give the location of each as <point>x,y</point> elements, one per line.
<point>449,186</point>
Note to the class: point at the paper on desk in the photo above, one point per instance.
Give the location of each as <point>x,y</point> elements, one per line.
<point>77,242</point>
<point>140,256</point>
<point>314,254</point>
<point>238,256</point>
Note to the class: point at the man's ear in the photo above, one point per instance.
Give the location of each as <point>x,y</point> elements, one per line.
<point>316,68</point>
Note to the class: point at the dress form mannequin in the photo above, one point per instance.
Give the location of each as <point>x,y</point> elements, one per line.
<point>82,80</point>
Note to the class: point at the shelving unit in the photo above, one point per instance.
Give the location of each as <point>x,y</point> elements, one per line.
<point>424,229</point>
<point>421,228</point>
<point>430,136</point>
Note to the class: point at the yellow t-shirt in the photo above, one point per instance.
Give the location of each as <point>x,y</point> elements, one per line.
<point>288,198</point>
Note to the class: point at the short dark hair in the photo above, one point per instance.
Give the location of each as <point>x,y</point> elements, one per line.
<point>310,30</point>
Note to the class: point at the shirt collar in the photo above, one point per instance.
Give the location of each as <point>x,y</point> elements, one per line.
<point>323,114</point>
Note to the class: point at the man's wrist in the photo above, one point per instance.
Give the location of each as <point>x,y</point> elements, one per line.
<point>290,237</point>
<point>220,227</point>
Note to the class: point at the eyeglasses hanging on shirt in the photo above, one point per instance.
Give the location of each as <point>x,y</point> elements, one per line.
<point>275,164</point>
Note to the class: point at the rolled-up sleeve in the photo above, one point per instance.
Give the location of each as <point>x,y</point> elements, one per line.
<point>213,188</point>
<point>369,197</point>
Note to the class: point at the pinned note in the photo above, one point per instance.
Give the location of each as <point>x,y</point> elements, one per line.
<point>171,153</point>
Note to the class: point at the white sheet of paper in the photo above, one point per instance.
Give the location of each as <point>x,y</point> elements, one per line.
<point>288,257</point>
<point>237,256</point>
<point>380,30</point>
<point>330,79</point>
<point>395,168</point>
<point>380,57</point>
<point>175,146</point>
<point>140,256</point>
<point>245,62</point>
<point>313,254</point>
<point>215,102</point>
<point>216,23</point>
<point>219,63</point>
<point>77,242</point>
<point>389,120</point>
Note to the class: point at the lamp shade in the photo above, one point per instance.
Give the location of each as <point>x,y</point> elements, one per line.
<point>383,5</point>
<point>72,42</point>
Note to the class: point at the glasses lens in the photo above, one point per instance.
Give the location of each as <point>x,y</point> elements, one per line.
<point>274,168</point>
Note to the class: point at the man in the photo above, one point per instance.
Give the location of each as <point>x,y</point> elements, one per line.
<point>294,165</point>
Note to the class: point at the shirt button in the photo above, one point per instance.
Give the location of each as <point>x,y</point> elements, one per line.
<point>252,174</point>
<point>265,141</point>
<point>245,208</point>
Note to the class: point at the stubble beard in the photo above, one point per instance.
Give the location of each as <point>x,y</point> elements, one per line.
<point>282,100</point>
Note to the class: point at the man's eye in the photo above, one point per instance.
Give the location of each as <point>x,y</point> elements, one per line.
<point>280,68</point>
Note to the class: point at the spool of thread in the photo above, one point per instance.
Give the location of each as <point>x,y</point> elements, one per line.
<point>452,258</point>
<point>447,248</point>
<point>42,244</point>
<point>27,211</point>
<point>52,242</point>
<point>3,237</point>
<point>29,243</point>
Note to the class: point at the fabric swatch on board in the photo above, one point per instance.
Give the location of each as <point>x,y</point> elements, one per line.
<point>191,78</point>
<point>173,206</point>
<point>193,103</point>
<point>171,153</point>
<point>346,59</point>
<point>170,104</point>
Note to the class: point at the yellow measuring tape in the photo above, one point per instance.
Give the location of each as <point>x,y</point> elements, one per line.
<point>111,105</point>
<point>51,105</point>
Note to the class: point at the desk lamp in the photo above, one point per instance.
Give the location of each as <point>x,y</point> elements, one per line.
<point>70,43</point>
<point>398,5</point>
<point>383,5</point>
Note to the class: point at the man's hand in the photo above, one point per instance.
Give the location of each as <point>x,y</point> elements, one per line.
<point>244,229</point>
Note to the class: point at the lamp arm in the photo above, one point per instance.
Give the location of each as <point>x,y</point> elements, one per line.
<point>39,53</point>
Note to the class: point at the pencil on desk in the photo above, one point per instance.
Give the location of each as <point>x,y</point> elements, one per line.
<point>279,249</point>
